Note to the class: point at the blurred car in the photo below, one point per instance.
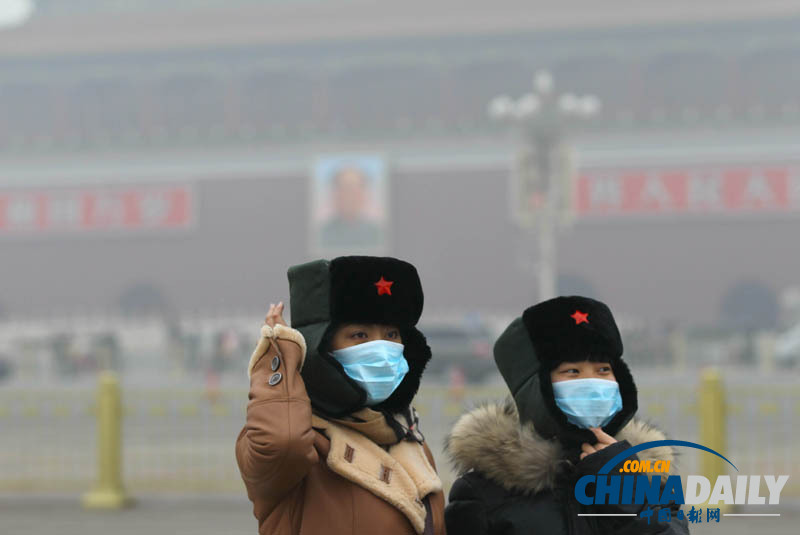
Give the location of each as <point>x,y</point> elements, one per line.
<point>463,347</point>
<point>787,347</point>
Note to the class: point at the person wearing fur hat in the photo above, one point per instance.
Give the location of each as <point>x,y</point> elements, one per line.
<point>331,444</point>
<point>519,460</point>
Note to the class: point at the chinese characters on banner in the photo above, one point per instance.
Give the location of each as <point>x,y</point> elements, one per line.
<point>44,211</point>
<point>729,190</point>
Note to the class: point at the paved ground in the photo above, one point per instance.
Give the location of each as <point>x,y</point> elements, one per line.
<point>222,516</point>
<point>150,516</point>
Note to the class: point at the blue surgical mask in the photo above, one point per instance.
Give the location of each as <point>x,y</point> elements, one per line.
<point>588,402</point>
<point>378,367</point>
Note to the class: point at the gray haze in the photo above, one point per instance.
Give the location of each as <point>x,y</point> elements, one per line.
<point>235,100</point>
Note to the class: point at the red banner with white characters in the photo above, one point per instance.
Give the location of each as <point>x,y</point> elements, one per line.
<point>134,208</point>
<point>685,190</point>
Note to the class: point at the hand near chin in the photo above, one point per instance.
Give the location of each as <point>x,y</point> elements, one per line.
<point>603,441</point>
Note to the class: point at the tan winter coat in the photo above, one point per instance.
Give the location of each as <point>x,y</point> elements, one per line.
<point>310,476</point>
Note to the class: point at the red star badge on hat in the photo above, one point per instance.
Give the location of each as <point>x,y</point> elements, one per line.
<point>384,286</point>
<point>580,317</point>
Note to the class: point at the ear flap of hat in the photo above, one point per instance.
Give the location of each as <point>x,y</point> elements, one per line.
<point>331,391</point>
<point>515,356</point>
<point>309,293</point>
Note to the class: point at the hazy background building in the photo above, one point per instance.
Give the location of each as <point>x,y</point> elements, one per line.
<point>234,101</point>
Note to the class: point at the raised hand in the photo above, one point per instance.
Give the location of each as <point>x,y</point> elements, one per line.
<point>275,315</point>
<point>603,440</point>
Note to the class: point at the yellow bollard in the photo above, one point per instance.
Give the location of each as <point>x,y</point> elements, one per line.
<point>712,421</point>
<point>108,492</point>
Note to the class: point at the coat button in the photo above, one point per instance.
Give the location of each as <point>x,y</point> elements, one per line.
<point>276,363</point>
<point>275,379</point>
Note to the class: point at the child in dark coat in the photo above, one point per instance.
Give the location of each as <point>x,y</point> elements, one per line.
<point>572,411</point>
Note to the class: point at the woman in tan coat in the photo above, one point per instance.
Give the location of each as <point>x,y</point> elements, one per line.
<point>331,444</point>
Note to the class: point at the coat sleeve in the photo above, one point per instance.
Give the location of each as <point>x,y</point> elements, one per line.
<point>275,449</point>
<point>466,512</point>
<point>630,525</point>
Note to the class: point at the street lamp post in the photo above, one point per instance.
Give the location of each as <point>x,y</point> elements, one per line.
<point>542,118</point>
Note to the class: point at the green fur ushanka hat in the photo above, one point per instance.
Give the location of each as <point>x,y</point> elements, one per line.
<point>564,329</point>
<point>355,289</point>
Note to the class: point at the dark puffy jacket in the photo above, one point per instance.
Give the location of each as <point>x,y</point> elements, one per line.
<point>515,482</point>
<point>520,460</point>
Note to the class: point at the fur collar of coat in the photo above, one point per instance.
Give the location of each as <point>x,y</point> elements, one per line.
<point>490,440</point>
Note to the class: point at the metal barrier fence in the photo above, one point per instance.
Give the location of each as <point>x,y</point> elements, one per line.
<point>181,440</point>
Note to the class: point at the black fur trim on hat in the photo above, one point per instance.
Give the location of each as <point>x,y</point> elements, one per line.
<point>571,329</point>
<point>374,290</point>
